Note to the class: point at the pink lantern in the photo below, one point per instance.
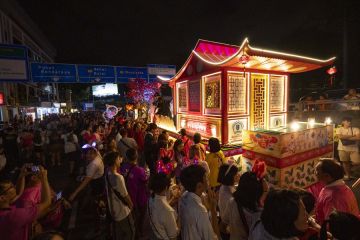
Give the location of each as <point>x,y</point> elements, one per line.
<point>244,59</point>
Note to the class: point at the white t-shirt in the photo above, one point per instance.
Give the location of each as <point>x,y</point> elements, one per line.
<point>351,131</point>
<point>232,219</point>
<point>162,218</point>
<point>225,194</point>
<point>194,218</point>
<point>65,137</point>
<point>118,209</point>
<point>95,169</point>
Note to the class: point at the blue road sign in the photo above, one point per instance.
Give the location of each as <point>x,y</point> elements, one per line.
<point>96,74</point>
<point>126,73</point>
<point>157,71</point>
<point>53,72</point>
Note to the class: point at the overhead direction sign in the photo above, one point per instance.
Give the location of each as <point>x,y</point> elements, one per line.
<point>13,63</point>
<point>96,74</point>
<point>53,72</point>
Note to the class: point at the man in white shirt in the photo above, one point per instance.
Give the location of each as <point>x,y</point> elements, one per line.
<point>194,217</point>
<point>126,143</point>
<point>348,146</point>
<point>94,172</point>
<point>119,201</point>
<point>161,215</point>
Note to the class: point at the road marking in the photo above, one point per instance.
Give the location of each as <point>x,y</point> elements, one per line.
<point>72,220</point>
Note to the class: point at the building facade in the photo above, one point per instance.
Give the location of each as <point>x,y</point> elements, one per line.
<point>17,28</point>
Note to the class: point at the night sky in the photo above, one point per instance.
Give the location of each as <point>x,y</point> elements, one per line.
<point>135,33</point>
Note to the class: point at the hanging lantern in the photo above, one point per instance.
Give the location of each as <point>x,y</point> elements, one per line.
<point>244,59</point>
<point>331,71</point>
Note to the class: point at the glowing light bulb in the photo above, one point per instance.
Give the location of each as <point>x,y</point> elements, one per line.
<point>311,122</point>
<point>328,121</point>
<point>295,126</point>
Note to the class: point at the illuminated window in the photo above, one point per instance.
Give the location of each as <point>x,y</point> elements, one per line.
<point>182,97</point>
<point>212,94</point>
<point>237,93</point>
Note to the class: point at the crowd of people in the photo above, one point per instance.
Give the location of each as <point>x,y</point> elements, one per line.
<point>147,184</point>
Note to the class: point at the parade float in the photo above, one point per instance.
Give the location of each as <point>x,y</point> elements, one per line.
<point>239,94</point>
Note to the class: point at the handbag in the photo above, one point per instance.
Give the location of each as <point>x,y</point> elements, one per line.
<point>347,142</point>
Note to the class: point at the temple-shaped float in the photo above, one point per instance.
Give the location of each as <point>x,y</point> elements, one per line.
<point>239,94</point>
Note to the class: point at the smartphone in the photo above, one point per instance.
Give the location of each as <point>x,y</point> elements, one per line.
<point>58,196</point>
<point>35,169</point>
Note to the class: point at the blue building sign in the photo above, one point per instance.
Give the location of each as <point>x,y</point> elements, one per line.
<point>96,74</point>
<point>53,72</point>
<point>160,71</point>
<point>126,73</point>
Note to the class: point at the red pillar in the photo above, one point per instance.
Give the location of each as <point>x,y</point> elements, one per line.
<point>224,107</point>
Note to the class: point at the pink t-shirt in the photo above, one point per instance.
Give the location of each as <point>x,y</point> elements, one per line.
<point>335,196</point>
<point>15,222</point>
<point>30,197</point>
<point>136,179</point>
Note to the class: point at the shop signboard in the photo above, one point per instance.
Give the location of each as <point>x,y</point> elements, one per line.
<point>125,73</point>
<point>96,74</point>
<point>53,72</point>
<point>160,71</point>
<point>13,63</point>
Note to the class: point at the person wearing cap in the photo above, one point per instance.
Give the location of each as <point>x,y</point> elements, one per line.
<point>348,146</point>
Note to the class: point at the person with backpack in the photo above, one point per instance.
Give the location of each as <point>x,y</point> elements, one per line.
<point>118,199</point>
<point>136,182</point>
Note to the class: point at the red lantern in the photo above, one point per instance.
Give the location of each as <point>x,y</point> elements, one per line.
<point>244,59</point>
<point>332,70</point>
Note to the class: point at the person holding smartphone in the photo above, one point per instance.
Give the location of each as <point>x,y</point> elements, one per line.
<point>15,221</point>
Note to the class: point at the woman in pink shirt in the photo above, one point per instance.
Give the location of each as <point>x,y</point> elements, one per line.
<point>336,195</point>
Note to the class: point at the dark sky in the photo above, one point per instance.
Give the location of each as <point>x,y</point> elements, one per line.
<point>135,33</point>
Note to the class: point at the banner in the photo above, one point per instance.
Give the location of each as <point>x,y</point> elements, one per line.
<point>96,74</point>
<point>53,72</point>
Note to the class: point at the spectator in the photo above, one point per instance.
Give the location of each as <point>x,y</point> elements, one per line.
<point>348,147</point>
<point>136,182</point>
<point>215,159</point>
<point>119,201</point>
<point>336,195</point>
<point>150,149</point>
<point>283,217</point>
<point>194,218</point>
<point>187,142</point>
<point>228,176</point>
<point>342,226</point>
<point>195,160</point>
<point>39,145</point>
<point>126,143</point>
<point>71,149</point>
<point>139,136</point>
<point>200,151</point>
<point>161,215</point>
<point>55,148</point>
<point>94,174</point>
<point>179,157</point>
<point>352,95</point>
<point>15,221</point>
<point>244,209</point>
